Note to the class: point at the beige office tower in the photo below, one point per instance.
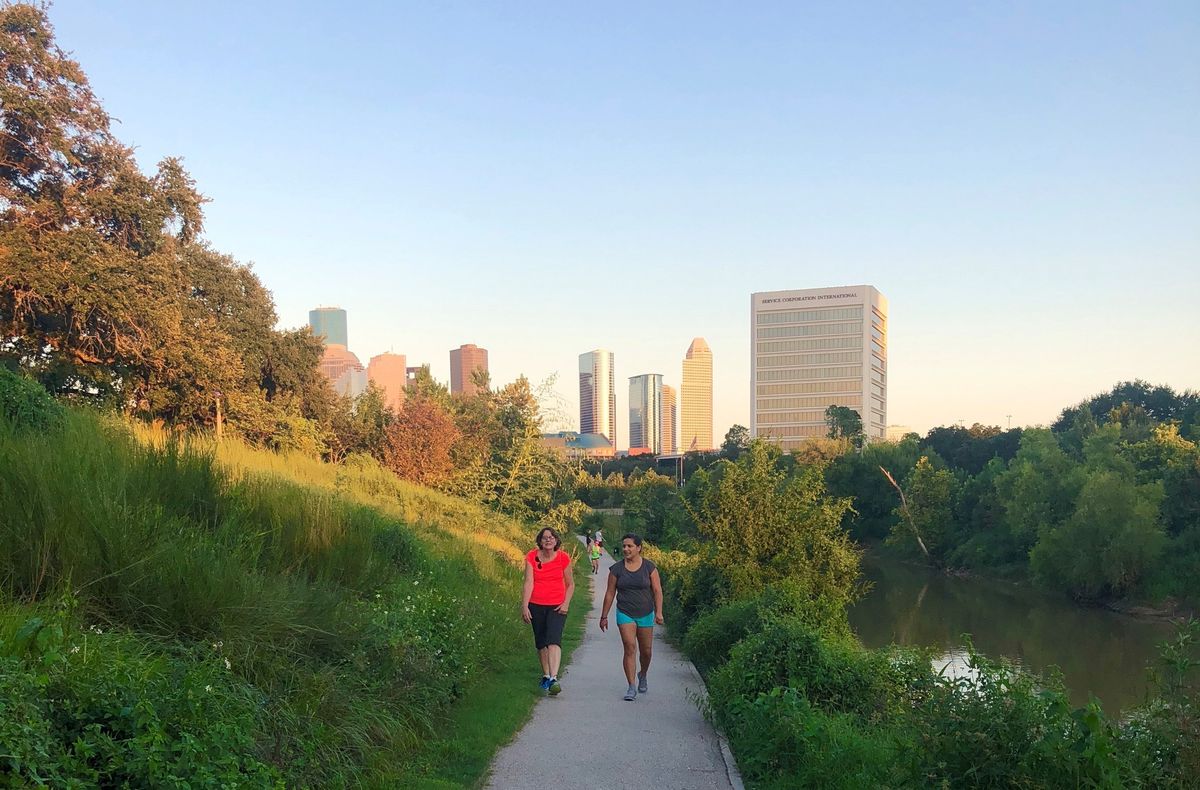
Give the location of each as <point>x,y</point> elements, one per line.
<point>464,361</point>
<point>390,373</point>
<point>670,420</point>
<point>696,420</point>
<point>812,349</point>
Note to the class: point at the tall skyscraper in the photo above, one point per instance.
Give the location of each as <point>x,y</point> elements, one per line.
<point>464,361</point>
<point>645,412</point>
<point>812,349</point>
<point>389,372</point>
<point>329,324</point>
<point>696,420</point>
<point>598,395</point>
<point>670,420</point>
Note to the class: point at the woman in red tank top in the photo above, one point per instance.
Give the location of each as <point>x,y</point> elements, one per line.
<point>545,599</point>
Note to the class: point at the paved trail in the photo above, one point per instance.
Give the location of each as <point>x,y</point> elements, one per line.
<point>588,737</point>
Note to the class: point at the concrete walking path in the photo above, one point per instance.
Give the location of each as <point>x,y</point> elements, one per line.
<point>589,737</point>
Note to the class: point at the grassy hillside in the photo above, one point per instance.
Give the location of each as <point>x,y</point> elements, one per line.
<point>193,613</point>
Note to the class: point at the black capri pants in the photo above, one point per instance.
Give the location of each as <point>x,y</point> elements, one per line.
<point>547,625</point>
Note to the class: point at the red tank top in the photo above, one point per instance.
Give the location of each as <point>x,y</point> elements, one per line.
<point>549,586</point>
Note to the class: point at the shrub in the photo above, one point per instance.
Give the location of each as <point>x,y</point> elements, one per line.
<point>835,675</point>
<point>25,404</point>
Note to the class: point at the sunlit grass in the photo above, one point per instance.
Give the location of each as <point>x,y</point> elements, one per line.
<point>354,605</point>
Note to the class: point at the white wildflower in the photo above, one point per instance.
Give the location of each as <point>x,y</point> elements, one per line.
<point>228,664</point>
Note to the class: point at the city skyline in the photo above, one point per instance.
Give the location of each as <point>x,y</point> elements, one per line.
<point>1003,184</point>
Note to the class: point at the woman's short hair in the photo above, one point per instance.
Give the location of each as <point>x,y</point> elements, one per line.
<point>557,540</point>
<point>637,539</point>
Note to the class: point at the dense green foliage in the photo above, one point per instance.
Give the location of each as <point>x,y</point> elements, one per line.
<point>1104,505</point>
<point>804,705</point>
<point>166,617</point>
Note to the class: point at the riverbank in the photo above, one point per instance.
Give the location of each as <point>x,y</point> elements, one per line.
<point>1167,610</point>
<point>1097,651</point>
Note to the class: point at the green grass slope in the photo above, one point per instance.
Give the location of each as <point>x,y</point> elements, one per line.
<point>193,613</point>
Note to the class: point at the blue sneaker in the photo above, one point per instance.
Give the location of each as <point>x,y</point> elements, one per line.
<point>545,685</point>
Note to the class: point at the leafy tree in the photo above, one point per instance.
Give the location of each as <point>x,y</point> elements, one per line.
<point>924,516</point>
<point>1039,488</point>
<point>970,449</point>
<point>766,526</point>
<point>737,439</point>
<point>419,442</point>
<point>856,475</point>
<point>1108,544</point>
<point>90,284</point>
<point>653,509</point>
<point>844,423</point>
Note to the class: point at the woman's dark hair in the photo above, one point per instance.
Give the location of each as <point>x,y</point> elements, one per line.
<point>557,540</point>
<point>637,539</point>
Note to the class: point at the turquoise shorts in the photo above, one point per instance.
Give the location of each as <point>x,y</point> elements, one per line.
<point>642,622</point>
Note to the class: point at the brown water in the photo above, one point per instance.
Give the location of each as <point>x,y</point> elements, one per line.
<point>1098,651</point>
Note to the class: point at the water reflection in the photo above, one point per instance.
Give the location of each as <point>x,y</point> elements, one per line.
<point>1098,651</point>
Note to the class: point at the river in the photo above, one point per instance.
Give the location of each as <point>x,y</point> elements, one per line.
<point>1098,651</point>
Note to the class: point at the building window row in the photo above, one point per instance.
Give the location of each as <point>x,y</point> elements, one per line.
<point>771,332</point>
<point>878,376</point>
<point>809,373</point>
<point>778,417</point>
<point>816,400</point>
<point>808,316</point>
<point>812,344</point>
<point>793,360</point>
<point>810,387</point>
<point>784,432</point>
<point>878,349</point>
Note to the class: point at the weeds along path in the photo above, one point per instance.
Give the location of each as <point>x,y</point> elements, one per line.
<point>589,737</point>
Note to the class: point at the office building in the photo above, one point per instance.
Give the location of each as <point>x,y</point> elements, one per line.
<point>389,372</point>
<point>345,373</point>
<point>464,361</point>
<point>696,411</point>
<point>812,349</point>
<point>670,420</point>
<point>645,414</point>
<point>598,395</point>
<point>329,324</point>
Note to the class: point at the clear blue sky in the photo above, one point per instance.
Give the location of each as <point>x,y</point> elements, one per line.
<point>1021,180</point>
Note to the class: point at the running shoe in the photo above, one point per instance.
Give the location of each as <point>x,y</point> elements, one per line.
<point>641,683</point>
<point>631,694</point>
<point>545,685</point>
<point>554,687</point>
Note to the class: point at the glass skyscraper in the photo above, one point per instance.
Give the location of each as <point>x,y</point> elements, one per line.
<point>645,412</point>
<point>598,395</point>
<point>329,324</point>
<point>812,349</point>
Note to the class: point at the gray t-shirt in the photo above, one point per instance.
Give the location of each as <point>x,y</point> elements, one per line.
<point>635,596</point>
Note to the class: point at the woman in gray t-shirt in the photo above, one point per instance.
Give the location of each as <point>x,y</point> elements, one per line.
<point>637,588</point>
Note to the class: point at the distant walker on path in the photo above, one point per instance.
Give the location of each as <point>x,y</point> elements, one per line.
<point>635,584</point>
<point>544,602</point>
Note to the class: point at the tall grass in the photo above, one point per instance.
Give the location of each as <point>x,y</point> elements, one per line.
<point>351,605</point>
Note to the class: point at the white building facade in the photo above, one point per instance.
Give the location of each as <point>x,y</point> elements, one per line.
<point>815,348</point>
